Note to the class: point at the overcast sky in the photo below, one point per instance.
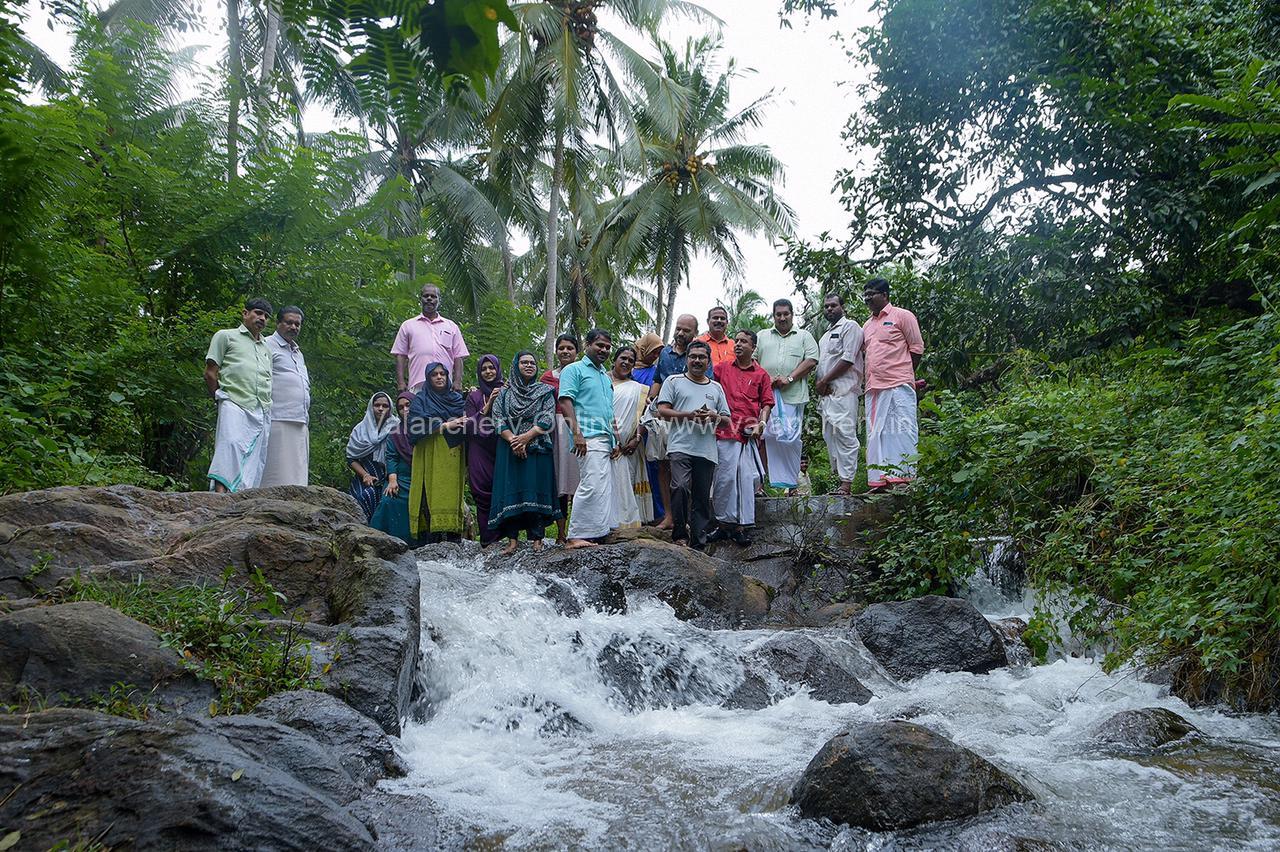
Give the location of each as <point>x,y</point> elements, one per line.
<point>804,65</point>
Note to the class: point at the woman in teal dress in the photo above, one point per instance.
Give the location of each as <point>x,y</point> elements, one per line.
<point>524,478</point>
<point>392,514</point>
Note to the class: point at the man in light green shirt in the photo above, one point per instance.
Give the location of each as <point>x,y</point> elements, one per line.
<point>788,354</point>
<point>237,374</point>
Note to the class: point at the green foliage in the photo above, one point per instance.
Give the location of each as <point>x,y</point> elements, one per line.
<point>230,636</point>
<point>1142,487</point>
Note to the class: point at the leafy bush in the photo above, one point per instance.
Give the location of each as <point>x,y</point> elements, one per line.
<point>1143,488</point>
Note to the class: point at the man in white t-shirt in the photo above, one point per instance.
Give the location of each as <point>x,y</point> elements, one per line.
<point>695,405</point>
<point>839,388</point>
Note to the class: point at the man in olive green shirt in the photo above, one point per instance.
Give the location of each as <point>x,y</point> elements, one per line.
<point>788,354</point>
<point>237,374</point>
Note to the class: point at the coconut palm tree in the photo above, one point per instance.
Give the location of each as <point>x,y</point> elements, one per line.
<point>702,185</point>
<point>568,78</point>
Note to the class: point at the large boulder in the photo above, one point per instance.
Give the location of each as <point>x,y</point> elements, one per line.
<point>885,776</point>
<point>77,652</point>
<point>1144,729</point>
<point>702,589</point>
<point>357,588</point>
<point>362,747</point>
<point>913,637</point>
<point>799,660</point>
<point>237,783</point>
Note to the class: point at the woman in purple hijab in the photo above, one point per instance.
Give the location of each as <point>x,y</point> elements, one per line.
<point>482,441</point>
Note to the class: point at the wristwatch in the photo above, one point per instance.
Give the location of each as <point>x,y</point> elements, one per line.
<point>789,380</point>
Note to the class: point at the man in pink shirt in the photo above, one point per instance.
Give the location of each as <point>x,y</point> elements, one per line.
<point>425,339</point>
<point>892,345</point>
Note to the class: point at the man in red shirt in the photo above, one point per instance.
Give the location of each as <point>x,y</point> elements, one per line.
<point>892,344</point>
<point>749,391</point>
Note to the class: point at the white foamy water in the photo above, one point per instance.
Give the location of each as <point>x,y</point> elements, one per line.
<point>526,744</point>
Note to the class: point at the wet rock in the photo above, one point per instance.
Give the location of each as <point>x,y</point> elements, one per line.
<point>991,840</point>
<point>647,672</point>
<point>551,719</point>
<point>1011,630</point>
<point>361,746</point>
<point>238,783</point>
<point>752,694</point>
<point>913,637</point>
<point>798,659</point>
<point>884,776</point>
<point>356,587</point>
<point>561,596</point>
<point>75,652</point>
<point>1148,728</point>
<point>702,589</point>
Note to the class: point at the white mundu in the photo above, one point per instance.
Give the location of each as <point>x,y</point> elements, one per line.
<point>839,408</point>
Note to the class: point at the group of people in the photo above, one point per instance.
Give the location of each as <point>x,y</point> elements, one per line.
<point>681,435</point>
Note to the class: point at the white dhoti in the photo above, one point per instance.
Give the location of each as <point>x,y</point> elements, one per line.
<point>733,494</point>
<point>840,432</point>
<point>626,507</point>
<point>239,446</point>
<point>782,442</point>
<point>594,514</point>
<point>892,434</point>
<point>288,454</point>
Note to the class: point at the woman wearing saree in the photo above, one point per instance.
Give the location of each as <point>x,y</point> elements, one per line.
<point>392,514</point>
<point>482,441</point>
<point>436,429</point>
<point>631,493</point>
<point>566,463</point>
<point>524,481</point>
<point>367,453</point>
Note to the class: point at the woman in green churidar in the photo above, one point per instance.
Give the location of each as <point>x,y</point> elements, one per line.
<point>436,429</point>
<point>524,478</point>
<point>392,515</point>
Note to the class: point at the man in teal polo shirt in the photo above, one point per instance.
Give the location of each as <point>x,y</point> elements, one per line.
<point>586,401</point>
<point>237,374</point>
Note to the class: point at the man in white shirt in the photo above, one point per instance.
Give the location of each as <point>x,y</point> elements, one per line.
<point>839,387</point>
<point>289,447</point>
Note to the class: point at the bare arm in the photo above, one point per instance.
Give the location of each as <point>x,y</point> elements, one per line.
<point>824,382</point>
<point>571,417</point>
<point>803,369</point>
<point>457,371</point>
<point>915,361</point>
<point>211,378</point>
<point>402,368</point>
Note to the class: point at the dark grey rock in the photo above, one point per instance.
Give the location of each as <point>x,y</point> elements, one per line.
<point>884,776</point>
<point>752,694</point>
<point>73,652</point>
<point>913,637</point>
<point>561,596</point>
<point>237,783</point>
<point>360,745</point>
<point>798,659</point>
<point>1147,728</point>
<point>647,672</point>
<point>356,587</point>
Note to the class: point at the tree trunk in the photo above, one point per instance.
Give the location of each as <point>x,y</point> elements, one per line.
<point>235,87</point>
<point>553,247</point>
<point>671,304</point>
<point>269,47</point>
<point>660,306</point>
<point>508,269</point>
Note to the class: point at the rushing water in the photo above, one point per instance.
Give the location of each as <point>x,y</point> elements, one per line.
<point>524,745</point>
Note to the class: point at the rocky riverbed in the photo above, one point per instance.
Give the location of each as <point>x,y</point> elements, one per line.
<point>637,695</point>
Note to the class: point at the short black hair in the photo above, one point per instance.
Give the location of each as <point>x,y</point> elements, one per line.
<point>569,337</point>
<point>718,308</point>
<point>289,309</point>
<point>784,302</point>
<point>698,344</point>
<point>257,303</point>
<point>836,296</point>
<point>878,284</point>
<point>755,341</point>
<point>626,348</point>
<point>596,333</point>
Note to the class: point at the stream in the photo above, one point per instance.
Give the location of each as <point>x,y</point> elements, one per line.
<point>523,742</point>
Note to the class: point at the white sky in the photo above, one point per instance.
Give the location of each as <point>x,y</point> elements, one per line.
<point>805,66</point>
